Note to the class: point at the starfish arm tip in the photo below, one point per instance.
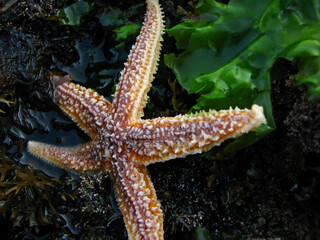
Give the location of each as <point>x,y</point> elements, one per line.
<point>59,80</point>
<point>32,147</point>
<point>40,150</point>
<point>258,115</point>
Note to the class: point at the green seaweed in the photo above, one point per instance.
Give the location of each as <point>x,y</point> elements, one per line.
<point>127,30</point>
<point>111,17</point>
<point>229,51</point>
<point>72,14</point>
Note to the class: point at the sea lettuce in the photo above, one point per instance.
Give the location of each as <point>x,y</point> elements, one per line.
<point>110,18</point>
<point>229,50</point>
<point>72,14</point>
<point>127,30</point>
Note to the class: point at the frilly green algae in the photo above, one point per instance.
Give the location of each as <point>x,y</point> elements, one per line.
<point>72,14</point>
<point>229,51</point>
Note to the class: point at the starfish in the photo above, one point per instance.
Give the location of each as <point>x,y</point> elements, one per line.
<point>122,144</point>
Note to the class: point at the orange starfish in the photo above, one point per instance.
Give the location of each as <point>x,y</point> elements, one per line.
<point>123,144</point>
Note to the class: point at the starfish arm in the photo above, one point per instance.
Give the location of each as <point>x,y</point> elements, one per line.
<point>161,139</point>
<point>89,157</point>
<point>137,200</point>
<point>86,107</point>
<point>136,78</point>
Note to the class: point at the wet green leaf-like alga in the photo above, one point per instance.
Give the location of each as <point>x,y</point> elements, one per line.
<point>229,51</point>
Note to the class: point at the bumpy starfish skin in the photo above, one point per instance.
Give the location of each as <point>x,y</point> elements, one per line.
<point>123,144</point>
